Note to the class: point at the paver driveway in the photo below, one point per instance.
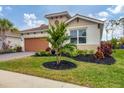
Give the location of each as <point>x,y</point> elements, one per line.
<point>16,80</point>
<point>9,56</point>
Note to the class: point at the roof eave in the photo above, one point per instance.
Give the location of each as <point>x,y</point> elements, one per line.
<point>86,18</point>
<point>33,31</point>
<point>54,14</point>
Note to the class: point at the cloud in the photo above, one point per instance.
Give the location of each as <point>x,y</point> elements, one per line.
<point>117,9</point>
<point>31,20</point>
<point>103,14</point>
<point>8,8</point>
<point>1,8</point>
<point>91,15</point>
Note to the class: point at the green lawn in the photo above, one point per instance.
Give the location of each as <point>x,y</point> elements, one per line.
<point>86,74</point>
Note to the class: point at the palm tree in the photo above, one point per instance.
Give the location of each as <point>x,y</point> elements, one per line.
<point>58,39</point>
<point>6,25</point>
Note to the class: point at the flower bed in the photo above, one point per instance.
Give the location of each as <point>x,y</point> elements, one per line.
<point>91,59</point>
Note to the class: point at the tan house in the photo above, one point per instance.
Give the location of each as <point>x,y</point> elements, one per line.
<point>84,31</point>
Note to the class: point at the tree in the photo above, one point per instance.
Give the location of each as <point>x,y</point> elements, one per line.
<point>113,25</point>
<point>107,29</point>
<point>58,39</point>
<point>6,25</point>
<point>122,24</point>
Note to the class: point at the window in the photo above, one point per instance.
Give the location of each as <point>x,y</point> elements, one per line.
<point>60,16</point>
<point>22,34</point>
<point>98,25</point>
<point>78,36</point>
<point>27,33</point>
<point>82,36</point>
<point>73,35</point>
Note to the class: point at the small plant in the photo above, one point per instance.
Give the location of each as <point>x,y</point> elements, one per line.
<point>48,49</point>
<point>99,54</point>
<point>121,40</point>
<point>82,52</point>
<point>7,51</point>
<point>18,49</point>
<point>42,53</point>
<point>114,43</point>
<point>69,53</point>
<point>91,51</point>
<point>104,50</point>
<point>37,54</point>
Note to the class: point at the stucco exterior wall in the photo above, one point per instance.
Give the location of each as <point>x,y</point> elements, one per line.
<point>14,41</point>
<point>52,21</point>
<point>92,31</point>
<point>32,35</point>
<point>88,47</point>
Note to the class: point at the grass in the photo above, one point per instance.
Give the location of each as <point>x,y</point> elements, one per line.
<point>86,74</point>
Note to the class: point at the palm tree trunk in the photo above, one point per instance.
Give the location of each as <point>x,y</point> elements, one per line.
<point>58,56</point>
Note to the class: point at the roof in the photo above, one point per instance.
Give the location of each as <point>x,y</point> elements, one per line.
<point>86,18</point>
<point>58,14</point>
<point>41,28</point>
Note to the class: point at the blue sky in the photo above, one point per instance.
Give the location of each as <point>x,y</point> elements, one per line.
<point>27,16</point>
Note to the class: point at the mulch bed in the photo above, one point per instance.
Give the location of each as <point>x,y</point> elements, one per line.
<point>62,66</point>
<point>91,59</point>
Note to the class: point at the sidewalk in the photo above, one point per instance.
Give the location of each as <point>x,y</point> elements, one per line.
<point>16,80</point>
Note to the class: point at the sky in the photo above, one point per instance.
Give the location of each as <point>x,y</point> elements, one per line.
<point>29,16</point>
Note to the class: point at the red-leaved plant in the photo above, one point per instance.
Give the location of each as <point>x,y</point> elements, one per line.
<point>105,50</point>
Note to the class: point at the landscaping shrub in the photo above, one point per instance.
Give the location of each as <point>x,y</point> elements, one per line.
<point>99,54</point>
<point>42,53</point>
<point>18,49</point>
<point>48,49</point>
<point>121,40</point>
<point>91,52</point>
<point>69,53</point>
<point>114,43</point>
<point>85,52</point>
<point>7,51</point>
<point>105,50</point>
<point>82,52</point>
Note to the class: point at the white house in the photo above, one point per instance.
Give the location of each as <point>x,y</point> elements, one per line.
<point>85,32</point>
<point>12,39</point>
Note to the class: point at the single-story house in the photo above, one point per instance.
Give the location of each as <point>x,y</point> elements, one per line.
<point>12,39</point>
<point>84,31</point>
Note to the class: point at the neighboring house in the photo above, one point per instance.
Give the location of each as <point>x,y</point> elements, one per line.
<point>12,39</point>
<point>84,31</point>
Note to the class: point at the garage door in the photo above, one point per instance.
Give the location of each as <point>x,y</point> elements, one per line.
<point>35,44</point>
